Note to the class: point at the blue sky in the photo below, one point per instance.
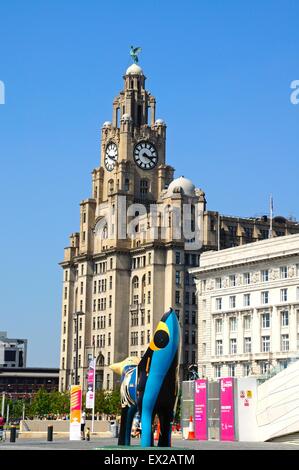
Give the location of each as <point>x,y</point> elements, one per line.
<point>221,74</point>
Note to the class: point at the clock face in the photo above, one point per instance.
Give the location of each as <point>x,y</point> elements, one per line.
<point>145,155</point>
<point>111,156</point>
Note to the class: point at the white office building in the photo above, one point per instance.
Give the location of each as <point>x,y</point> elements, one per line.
<point>13,352</point>
<point>248,308</point>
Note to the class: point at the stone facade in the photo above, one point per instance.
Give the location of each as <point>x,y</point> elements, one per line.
<point>248,308</point>
<point>129,262</point>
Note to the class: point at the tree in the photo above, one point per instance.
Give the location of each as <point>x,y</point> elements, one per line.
<point>41,404</point>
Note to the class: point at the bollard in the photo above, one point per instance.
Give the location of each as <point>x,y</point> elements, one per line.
<point>13,433</point>
<point>50,434</point>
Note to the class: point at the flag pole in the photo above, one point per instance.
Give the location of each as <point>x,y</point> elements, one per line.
<point>94,393</point>
<point>271,217</point>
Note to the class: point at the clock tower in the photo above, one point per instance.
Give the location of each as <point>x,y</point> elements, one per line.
<point>133,146</point>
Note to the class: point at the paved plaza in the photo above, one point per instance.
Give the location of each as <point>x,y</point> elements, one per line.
<point>108,443</point>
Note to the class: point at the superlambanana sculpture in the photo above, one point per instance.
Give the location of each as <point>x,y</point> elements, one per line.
<point>151,385</point>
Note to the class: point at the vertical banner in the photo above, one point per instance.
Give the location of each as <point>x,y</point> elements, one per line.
<point>227,412</point>
<point>75,417</point>
<point>200,409</point>
<point>90,384</point>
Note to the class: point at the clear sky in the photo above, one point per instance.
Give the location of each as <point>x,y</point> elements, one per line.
<point>221,74</point>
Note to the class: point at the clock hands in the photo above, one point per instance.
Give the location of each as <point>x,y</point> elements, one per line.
<point>148,157</point>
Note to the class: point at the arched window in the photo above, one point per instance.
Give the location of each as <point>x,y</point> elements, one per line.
<point>110,186</point>
<point>135,282</point>
<point>101,360</point>
<point>144,186</point>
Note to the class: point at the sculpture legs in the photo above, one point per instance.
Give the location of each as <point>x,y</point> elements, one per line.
<point>127,417</point>
<point>165,418</point>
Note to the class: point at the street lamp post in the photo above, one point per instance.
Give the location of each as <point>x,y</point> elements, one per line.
<point>76,317</point>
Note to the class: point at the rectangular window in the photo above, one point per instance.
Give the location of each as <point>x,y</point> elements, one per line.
<point>219,303</point>
<point>218,281</point>
<point>219,347</point>
<point>246,278</point>
<point>247,345</point>
<point>149,297</point>
<point>204,349</point>
<point>177,257</point>
<point>283,272</point>
<point>233,346</point>
<point>265,275</point>
<point>233,324</point>
<point>193,318</point>
<point>265,343</point>
<point>266,320</point>
<point>246,300</point>
<point>283,295</point>
<point>232,301</point>
<point>232,280</point>
<point>149,277</point>
<point>265,297</point>
<point>178,278</point>
<point>247,322</point>
<point>284,318</point>
<point>186,336</point>
<point>177,297</point>
<point>193,336</point>
<point>218,325</point>
<point>232,370</point>
<point>246,369</point>
<point>217,371</point>
<point>284,342</point>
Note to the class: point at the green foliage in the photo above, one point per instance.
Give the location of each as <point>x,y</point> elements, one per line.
<point>108,402</point>
<point>55,403</point>
<point>45,403</point>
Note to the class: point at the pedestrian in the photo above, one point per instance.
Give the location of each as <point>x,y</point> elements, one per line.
<point>83,422</point>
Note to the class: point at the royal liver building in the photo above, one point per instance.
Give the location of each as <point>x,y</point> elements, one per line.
<point>140,232</point>
<point>128,263</point>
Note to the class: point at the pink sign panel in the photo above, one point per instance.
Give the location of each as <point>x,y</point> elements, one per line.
<point>200,410</point>
<point>227,427</point>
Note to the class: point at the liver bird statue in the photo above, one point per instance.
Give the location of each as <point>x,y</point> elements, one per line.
<point>134,51</point>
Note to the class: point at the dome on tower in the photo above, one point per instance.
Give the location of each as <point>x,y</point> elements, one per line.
<point>160,122</point>
<point>134,69</point>
<point>183,185</point>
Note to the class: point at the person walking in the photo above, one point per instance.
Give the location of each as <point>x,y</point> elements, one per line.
<point>83,422</point>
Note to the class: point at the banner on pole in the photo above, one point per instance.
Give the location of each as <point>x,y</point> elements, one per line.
<point>90,395</point>
<point>75,415</point>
